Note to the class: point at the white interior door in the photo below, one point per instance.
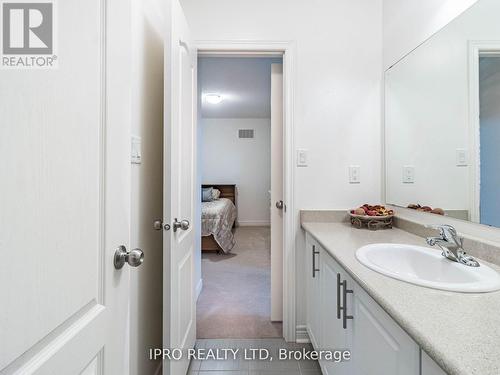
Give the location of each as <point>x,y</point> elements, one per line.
<point>64,198</point>
<point>277,205</point>
<point>179,306</point>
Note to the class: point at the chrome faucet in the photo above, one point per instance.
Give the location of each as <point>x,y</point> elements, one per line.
<point>451,245</point>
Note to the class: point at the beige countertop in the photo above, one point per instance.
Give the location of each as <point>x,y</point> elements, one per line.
<point>460,331</point>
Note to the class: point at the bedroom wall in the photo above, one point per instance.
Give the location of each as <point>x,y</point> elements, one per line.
<point>338,71</point>
<point>146,183</point>
<point>244,162</point>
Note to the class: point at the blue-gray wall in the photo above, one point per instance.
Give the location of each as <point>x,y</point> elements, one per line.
<point>490,140</point>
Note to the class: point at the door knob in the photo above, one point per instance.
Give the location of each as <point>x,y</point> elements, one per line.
<point>158,225</point>
<point>280,205</point>
<point>134,258</point>
<point>183,224</point>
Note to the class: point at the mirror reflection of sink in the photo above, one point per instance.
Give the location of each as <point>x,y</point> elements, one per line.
<point>427,267</point>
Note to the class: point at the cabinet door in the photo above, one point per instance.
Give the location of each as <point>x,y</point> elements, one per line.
<point>313,276</point>
<point>333,335</point>
<point>429,367</point>
<point>309,286</point>
<point>379,345</point>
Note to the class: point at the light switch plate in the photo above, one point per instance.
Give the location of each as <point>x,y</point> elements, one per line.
<point>408,174</point>
<point>461,156</point>
<point>354,174</point>
<point>135,150</point>
<point>301,157</point>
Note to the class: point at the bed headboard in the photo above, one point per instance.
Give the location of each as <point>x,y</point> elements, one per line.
<point>226,191</point>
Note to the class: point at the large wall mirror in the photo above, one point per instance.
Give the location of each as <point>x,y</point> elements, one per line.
<point>442,121</point>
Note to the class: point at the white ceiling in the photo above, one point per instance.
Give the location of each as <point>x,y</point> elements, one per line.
<point>243,82</point>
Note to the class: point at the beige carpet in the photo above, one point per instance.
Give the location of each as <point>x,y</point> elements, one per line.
<point>235,301</point>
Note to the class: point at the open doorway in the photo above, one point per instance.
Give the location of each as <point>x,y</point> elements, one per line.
<point>240,174</point>
<point>181,224</point>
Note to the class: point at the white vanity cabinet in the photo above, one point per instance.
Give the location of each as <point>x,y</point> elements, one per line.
<point>333,334</point>
<point>429,367</point>
<point>379,346</point>
<point>341,315</point>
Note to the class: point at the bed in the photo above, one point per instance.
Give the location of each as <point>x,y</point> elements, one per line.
<point>218,219</point>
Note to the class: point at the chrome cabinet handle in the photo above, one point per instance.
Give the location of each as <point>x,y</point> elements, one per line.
<point>134,258</point>
<point>158,225</point>
<point>339,308</point>
<point>183,224</point>
<point>345,316</point>
<point>280,205</point>
<point>314,253</point>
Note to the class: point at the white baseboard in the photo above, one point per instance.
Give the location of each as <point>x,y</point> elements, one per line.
<point>301,334</point>
<point>199,287</point>
<point>254,223</point>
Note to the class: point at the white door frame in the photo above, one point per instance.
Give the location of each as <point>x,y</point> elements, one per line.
<point>476,49</point>
<point>287,50</point>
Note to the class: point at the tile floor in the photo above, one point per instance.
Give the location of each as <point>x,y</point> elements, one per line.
<point>242,366</point>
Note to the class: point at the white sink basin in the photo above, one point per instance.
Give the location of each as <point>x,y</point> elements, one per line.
<point>427,267</point>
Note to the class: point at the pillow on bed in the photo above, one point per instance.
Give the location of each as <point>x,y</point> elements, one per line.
<point>206,194</point>
<point>215,194</point>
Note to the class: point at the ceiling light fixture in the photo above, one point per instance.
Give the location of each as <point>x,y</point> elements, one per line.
<point>213,98</point>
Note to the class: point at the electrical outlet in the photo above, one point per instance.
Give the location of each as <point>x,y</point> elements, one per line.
<point>354,174</point>
<point>408,174</point>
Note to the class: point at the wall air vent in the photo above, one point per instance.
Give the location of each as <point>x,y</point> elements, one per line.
<point>245,133</point>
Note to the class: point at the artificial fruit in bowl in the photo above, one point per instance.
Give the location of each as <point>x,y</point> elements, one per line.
<point>372,210</point>
<point>358,211</point>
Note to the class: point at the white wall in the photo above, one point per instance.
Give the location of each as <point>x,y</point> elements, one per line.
<point>244,162</point>
<point>337,89</point>
<point>147,185</point>
<point>407,23</point>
